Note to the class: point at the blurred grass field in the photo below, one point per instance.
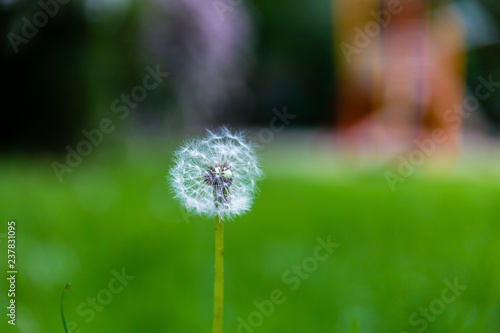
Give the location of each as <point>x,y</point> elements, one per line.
<point>115,212</point>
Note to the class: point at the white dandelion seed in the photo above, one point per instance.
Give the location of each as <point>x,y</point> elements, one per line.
<point>216,175</point>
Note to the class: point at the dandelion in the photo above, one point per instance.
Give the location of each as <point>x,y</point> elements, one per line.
<point>216,177</point>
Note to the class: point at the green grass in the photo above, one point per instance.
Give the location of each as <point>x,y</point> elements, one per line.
<point>114,211</point>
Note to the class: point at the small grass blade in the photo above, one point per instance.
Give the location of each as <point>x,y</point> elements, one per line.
<point>66,329</point>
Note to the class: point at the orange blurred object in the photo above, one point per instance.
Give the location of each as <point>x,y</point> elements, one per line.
<point>401,71</point>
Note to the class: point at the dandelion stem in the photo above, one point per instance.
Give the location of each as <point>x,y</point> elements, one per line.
<point>219,276</point>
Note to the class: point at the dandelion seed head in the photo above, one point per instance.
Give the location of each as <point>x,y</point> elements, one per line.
<point>216,175</point>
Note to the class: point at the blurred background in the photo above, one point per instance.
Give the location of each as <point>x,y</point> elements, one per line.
<point>377,122</point>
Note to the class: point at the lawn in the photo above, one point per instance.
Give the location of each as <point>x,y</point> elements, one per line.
<point>326,248</point>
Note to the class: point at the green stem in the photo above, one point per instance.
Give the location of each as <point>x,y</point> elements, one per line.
<point>66,329</point>
<point>219,276</point>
